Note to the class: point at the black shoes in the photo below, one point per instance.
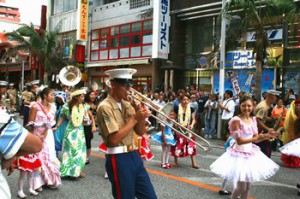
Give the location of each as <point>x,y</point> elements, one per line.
<point>224,192</point>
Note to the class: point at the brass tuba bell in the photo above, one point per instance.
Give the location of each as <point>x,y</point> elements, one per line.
<point>70,75</point>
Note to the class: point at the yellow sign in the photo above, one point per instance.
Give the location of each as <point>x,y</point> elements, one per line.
<point>83,22</point>
<point>200,74</point>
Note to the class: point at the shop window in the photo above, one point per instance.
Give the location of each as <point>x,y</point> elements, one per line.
<point>123,41</point>
<point>104,54</point>
<point>114,31</point>
<point>148,25</point>
<point>95,34</point>
<point>113,54</point>
<point>147,38</point>
<point>136,27</point>
<point>114,42</point>
<point>94,56</point>
<point>104,32</point>
<point>103,44</point>
<point>147,50</point>
<point>125,29</point>
<point>136,39</point>
<point>95,45</point>
<point>135,52</point>
<point>124,52</point>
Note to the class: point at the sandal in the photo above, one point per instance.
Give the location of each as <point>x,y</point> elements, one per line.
<point>81,175</point>
<point>224,192</point>
<point>21,194</point>
<point>169,165</point>
<point>33,192</point>
<point>39,189</point>
<point>195,167</point>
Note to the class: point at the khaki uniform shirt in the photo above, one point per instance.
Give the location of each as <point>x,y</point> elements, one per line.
<point>261,111</point>
<point>28,96</point>
<point>110,119</point>
<point>13,95</point>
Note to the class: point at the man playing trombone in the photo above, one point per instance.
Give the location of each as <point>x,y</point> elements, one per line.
<point>118,120</point>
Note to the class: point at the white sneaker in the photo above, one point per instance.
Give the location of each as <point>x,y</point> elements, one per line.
<point>205,136</point>
<point>33,192</point>
<point>210,137</point>
<point>39,189</point>
<point>105,175</point>
<point>21,194</point>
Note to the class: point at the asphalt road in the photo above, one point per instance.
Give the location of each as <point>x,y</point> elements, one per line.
<point>176,183</point>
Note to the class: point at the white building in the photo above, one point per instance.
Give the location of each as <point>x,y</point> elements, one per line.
<point>121,33</point>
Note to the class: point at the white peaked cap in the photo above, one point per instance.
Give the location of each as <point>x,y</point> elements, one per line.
<point>121,73</point>
<point>274,92</point>
<point>35,82</point>
<point>3,83</point>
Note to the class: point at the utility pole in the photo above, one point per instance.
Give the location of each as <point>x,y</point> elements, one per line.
<point>222,64</point>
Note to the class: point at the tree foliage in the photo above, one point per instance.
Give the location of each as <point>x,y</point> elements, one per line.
<point>256,15</point>
<point>44,45</point>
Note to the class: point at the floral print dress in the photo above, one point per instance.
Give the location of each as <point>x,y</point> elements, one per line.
<point>74,147</point>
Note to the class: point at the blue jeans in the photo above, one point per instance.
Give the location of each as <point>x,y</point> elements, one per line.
<point>210,125</point>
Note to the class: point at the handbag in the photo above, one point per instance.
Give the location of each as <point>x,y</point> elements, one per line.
<point>86,119</point>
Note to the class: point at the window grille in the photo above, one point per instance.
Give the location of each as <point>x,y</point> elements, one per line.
<point>133,4</point>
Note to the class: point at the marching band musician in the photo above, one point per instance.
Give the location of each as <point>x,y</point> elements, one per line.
<point>118,120</point>
<point>261,113</point>
<point>12,92</point>
<point>27,97</point>
<point>5,100</point>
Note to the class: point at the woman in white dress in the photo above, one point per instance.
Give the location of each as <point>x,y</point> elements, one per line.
<point>239,162</point>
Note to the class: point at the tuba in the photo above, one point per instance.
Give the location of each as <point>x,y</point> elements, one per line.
<point>70,75</point>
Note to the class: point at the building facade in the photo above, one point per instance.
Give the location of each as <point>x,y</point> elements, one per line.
<point>195,35</point>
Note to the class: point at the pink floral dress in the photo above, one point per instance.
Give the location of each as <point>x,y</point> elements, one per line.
<point>50,174</point>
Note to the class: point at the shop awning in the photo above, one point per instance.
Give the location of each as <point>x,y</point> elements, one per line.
<point>118,62</point>
<point>200,11</point>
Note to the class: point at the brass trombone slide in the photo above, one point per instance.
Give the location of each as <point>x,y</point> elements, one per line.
<point>154,107</point>
<point>149,103</point>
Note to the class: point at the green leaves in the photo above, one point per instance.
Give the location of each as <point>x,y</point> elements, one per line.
<point>44,45</point>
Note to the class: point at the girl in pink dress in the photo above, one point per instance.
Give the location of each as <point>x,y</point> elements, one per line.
<point>242,158</point>
<point>42,116</point>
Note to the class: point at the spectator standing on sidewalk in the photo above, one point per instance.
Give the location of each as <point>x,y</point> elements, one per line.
<point>227,108</point>
<point>200,112</point>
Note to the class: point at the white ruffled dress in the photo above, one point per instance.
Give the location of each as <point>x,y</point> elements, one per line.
<point>245,163</point>
<point>291,148</point>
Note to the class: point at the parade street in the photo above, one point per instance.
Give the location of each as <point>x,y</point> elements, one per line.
<point>176,182</point>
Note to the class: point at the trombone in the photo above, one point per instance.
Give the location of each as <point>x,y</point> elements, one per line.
<point>147,102</point>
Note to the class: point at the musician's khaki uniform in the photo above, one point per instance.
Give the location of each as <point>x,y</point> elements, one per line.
<point>261,111</point>
<point>12,95</point>
<point>111,119</point>
<point>28,96</point>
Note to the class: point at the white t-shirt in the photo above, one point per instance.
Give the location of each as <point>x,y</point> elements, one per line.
<point>230,104</point>
<point>11,139</point>
<point>4,188</point>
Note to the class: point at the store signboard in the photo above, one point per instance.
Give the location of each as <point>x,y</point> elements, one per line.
<point>245,80</point>
<point>204,73</point>
<point>82,31</point>
<point>240,59</point>
<point>275,34</point>
<point>161,24</point>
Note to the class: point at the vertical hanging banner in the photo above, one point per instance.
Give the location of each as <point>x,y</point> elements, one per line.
<point>235,85</point>
<point>161,24</point>
<point>82,31</point>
